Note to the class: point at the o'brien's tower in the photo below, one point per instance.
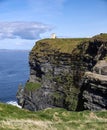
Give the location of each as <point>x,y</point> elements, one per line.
<point>53,35</point>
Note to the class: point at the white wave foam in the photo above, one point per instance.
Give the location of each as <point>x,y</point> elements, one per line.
<point>14,103</point>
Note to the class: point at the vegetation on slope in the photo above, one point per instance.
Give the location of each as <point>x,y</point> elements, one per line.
<point>63,45</point>
<point>101,36</point>
<point>32,86</point>
<point>13,118</point>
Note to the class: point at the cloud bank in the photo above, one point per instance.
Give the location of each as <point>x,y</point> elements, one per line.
<point>22,30</point>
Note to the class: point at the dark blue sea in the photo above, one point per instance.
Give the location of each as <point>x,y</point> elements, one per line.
<point>14,70</point>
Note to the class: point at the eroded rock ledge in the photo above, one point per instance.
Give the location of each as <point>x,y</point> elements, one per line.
<point>67,73</point>
<point>93,94</point>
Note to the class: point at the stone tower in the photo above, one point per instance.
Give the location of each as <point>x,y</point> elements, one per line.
<point>53,35</point>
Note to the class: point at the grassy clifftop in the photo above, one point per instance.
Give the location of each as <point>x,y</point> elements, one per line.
<point>65,45</point>
<point>13,118</point>
<point>102,36</point>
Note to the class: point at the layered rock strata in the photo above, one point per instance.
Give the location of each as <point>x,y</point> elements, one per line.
<point>66,70</point>
<point>93,94</point>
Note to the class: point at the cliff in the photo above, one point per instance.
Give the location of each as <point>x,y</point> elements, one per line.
<point>63,74</point>
<point>93,94</point>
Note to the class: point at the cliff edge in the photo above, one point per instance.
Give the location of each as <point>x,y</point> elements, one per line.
<point>67,73</point>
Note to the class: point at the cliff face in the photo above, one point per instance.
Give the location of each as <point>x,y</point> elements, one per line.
<point>59,77</point>
<point>93,94</point>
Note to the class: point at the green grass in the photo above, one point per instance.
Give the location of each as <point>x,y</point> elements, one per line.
<point>64,45</point>
<point>102,36</point>
<point>30,86</point>
<point>13,118</point>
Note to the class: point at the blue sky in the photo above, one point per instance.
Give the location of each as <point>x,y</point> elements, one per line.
<point>22,22</point>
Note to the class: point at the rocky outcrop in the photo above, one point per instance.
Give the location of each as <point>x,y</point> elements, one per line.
<point>93,94</point>
<point>101,68</point>
<point>66,71</point>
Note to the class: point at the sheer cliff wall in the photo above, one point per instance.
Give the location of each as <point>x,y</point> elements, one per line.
<point>58,69</point>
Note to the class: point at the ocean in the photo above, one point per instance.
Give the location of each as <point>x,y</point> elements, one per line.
<point>14,70</point>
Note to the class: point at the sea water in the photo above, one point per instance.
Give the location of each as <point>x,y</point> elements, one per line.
<point>14,70</point>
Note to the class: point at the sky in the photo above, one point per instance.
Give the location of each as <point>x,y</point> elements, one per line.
<point>23,22</point>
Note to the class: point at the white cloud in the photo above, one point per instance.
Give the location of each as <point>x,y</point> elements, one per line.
<point>22,30</point>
